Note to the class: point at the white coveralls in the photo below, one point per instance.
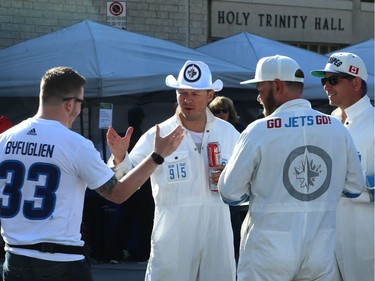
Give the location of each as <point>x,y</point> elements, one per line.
<point>355,217</point>
<point>192,236</point>
<point>292,166</point>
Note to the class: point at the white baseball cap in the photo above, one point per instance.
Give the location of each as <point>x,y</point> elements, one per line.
<point>194,75</point>
<point>276,67</point>
<point>343,62</point>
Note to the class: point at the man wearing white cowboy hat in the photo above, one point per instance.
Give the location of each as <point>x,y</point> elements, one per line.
<point>344,80</point>
<point>292,166</point>
<point>192,237</point>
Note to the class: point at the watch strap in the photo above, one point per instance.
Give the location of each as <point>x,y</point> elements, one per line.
<point>157,158</point>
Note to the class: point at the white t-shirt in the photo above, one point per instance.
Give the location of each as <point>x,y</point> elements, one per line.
<point>44,171</point>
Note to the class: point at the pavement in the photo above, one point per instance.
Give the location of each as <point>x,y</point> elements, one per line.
<point>129,271</point>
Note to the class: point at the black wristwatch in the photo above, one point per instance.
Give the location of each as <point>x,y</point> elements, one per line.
<point>157,158</point>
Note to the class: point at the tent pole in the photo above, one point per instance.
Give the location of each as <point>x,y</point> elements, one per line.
<point>90,122</point>
<point>188,24</point>
<point>104,145</point>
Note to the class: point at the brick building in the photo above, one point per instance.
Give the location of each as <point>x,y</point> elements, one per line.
<point>317,25</point>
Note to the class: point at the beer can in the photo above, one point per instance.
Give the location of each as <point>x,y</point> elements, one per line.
<point>214,154</point>
<point>214,158</point>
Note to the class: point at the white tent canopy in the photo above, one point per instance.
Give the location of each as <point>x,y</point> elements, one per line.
<point>245,49</point>
<point>115,62</point>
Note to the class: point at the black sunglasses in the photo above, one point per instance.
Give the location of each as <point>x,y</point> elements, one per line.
<point>217,111</point>
<point>333,80</point>
<point>81,101</point>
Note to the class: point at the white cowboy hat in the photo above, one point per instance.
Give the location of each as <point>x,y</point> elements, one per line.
<point>194,75</point>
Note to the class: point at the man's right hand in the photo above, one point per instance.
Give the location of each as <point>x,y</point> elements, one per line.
<point>168,144</point>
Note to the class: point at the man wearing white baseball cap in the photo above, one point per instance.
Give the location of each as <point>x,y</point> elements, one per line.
<point>292,166</point>
<point>344,80</point>
<point>192,237</point>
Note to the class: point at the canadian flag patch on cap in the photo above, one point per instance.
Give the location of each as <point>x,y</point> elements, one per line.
<point>353,69</point>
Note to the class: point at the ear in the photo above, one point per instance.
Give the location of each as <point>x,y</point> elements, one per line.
<point>279,86</point>
<point>68,105</point>
<point>210,95</point>
<point>357,84</point>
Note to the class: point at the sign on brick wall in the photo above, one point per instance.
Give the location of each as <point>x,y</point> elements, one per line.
<point>116,14</point>
<point>281,22</point>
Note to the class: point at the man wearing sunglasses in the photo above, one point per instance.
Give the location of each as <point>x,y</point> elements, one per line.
<point>292,166</point>
<point>344,80</point>
<point>45,169</point>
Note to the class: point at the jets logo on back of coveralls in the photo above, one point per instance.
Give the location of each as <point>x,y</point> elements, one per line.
<point>307,172</point>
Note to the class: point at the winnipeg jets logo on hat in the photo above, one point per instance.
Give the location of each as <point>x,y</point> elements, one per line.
<point>192,73</point>
<point>353,69</point>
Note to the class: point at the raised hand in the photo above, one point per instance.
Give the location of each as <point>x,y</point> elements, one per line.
<point>168,144</point>
<point>117,144</point>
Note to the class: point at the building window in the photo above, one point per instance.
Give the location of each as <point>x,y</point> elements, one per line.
<point>319,47</point>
